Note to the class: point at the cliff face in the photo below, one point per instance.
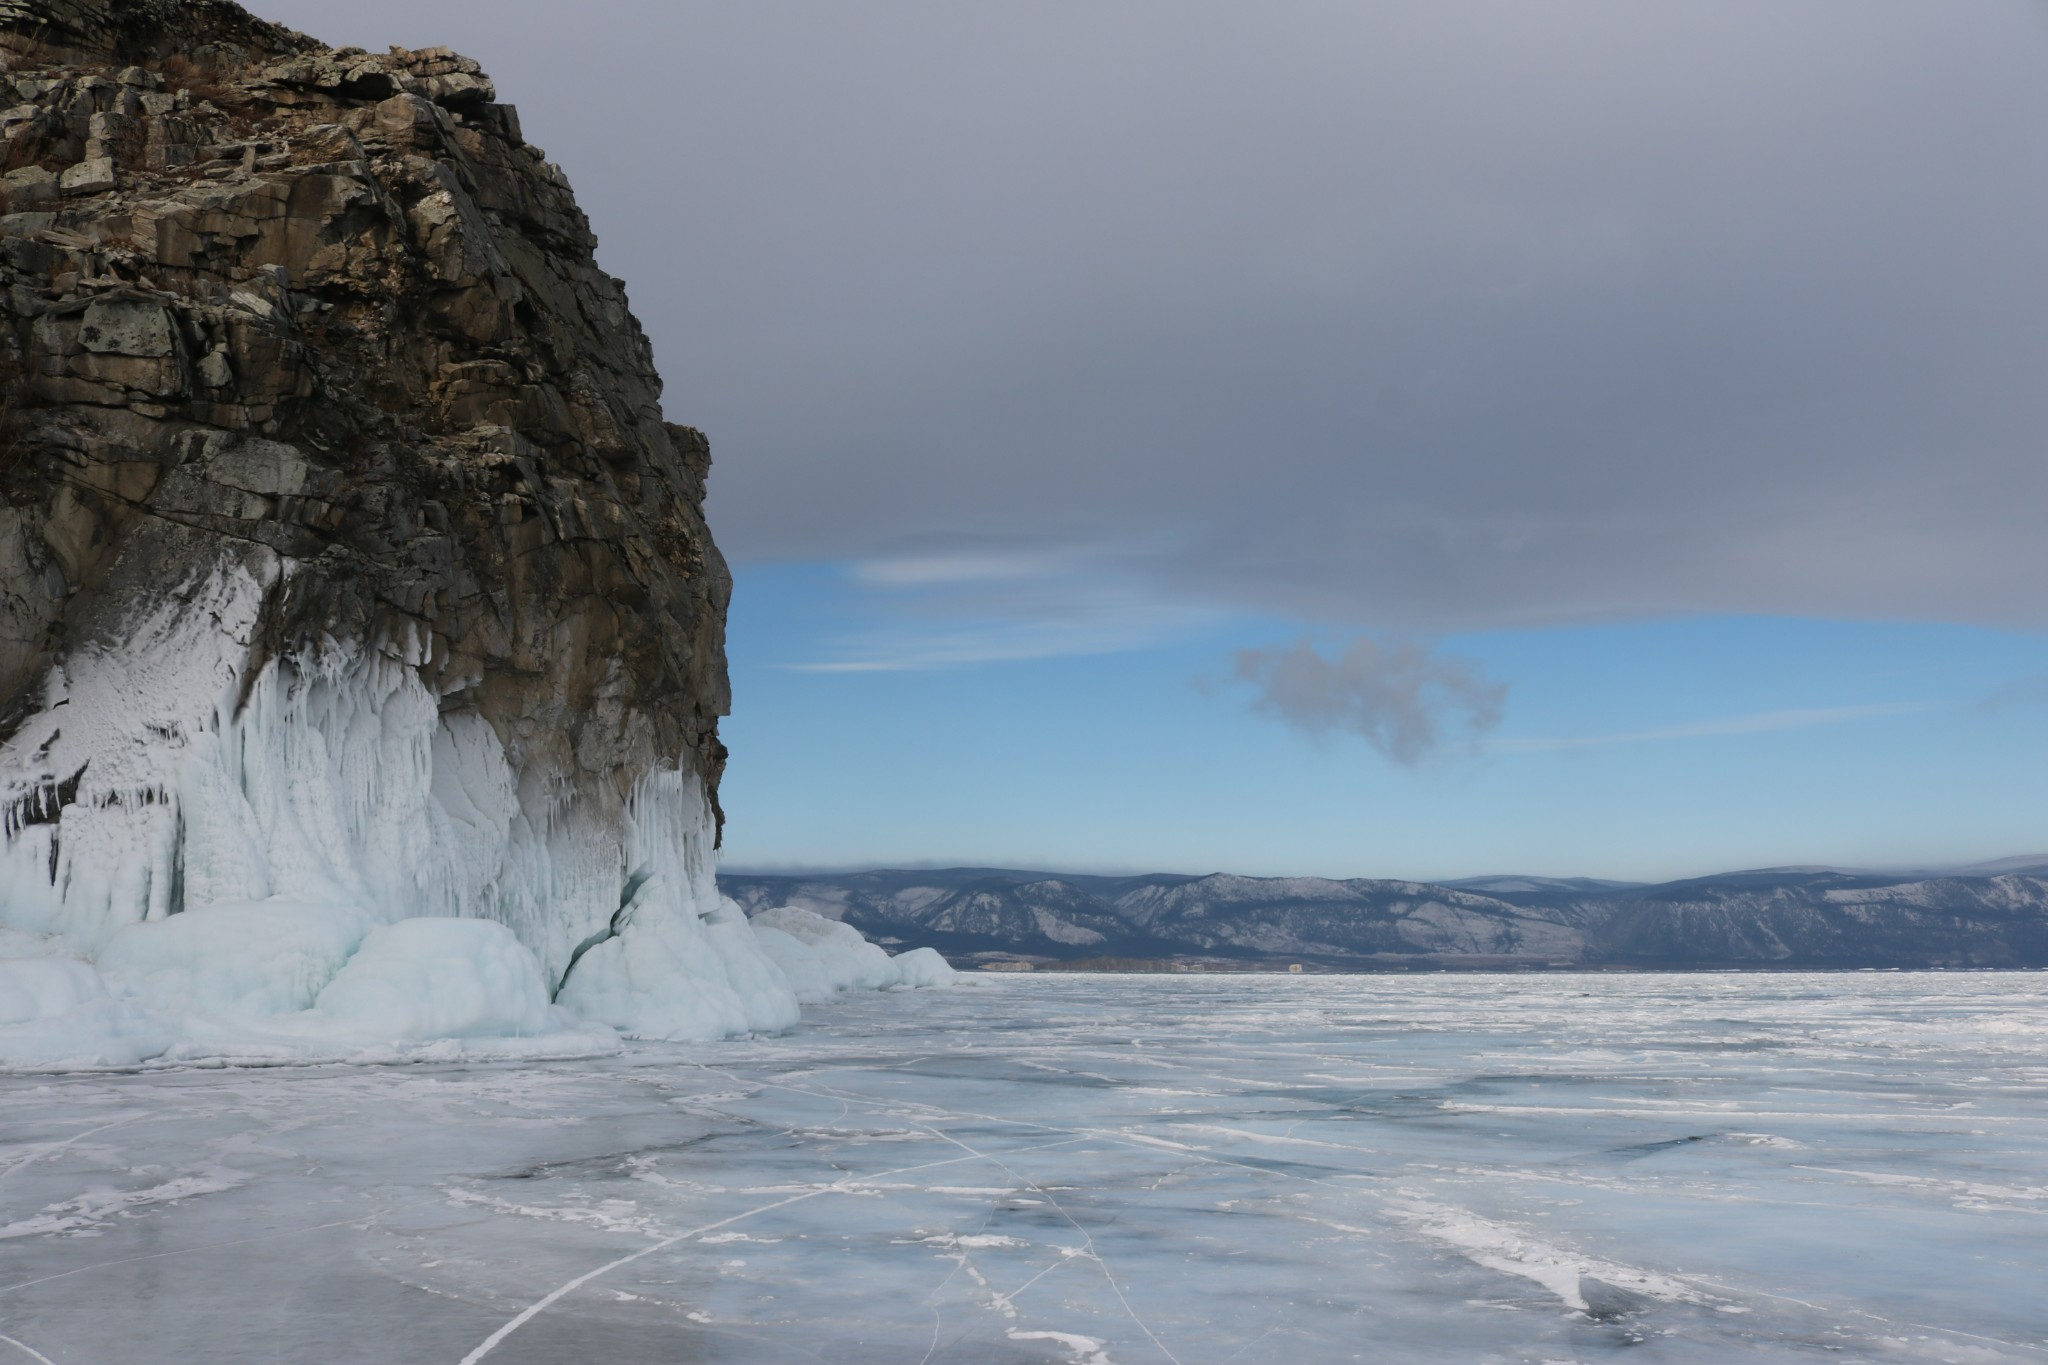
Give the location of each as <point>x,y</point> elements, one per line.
<point>346,555</point>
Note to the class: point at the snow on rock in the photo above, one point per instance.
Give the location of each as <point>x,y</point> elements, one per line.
<point>88,782</point>
<point>822,956</point>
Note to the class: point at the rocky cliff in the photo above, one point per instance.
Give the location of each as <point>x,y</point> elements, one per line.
<point>347,557</point>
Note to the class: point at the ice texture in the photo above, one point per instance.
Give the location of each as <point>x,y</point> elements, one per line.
<point>822,956</point>
<point>55,1012</point>
<point>37,988</point>
<point>313,857</point>
<point>234,960</point>
<point>439,978</point>
<point>1682,1169</point>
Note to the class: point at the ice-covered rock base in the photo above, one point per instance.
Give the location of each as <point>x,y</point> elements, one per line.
<point>210,853</point>
<point>324,862</point>
<point>282,982</point>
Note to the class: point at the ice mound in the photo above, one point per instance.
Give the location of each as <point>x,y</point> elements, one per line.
<point>440,978</point>
<point>669,973</point>
<point>820,956</point>
<point>44,988</point>
<point>234,960</point>
<point>56,1012</point>
<point>924,967</point>
<point>280,982</point>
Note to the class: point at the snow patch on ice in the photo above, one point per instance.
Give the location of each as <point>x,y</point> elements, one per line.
<point>88,1211</point>
<point>1086,1350</point>
<point>1496,1246</point>
<point>973,1241</point>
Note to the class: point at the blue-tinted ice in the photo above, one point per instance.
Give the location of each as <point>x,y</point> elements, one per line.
<point>1190,1169</point>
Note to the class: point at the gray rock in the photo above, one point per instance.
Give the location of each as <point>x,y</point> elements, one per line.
<point>214,370</point>
<point>29,186</point>
<point>126,326</point>
<point>94,175</point>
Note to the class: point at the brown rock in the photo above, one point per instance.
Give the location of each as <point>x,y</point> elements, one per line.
<point>320,322</point>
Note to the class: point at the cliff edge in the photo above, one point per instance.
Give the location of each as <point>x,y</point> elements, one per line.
<point>346,561</point>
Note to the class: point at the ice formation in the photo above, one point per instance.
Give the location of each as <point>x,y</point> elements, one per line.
<point>822,956</point>
<point>318,861</point>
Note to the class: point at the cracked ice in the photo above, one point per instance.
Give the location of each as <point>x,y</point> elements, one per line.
<point>1688,1168</point>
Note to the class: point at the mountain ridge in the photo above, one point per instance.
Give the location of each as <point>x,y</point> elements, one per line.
<point>1759,918</point>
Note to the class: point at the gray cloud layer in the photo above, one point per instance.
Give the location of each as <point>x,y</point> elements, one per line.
<point>1420,315</point>
<point>1403,699</point>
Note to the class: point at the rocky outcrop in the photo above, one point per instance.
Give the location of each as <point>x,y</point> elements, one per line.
<point>346,554</point>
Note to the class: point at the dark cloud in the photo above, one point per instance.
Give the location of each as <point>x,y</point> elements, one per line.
<point>1404,699</point>
<point>1420,316</point>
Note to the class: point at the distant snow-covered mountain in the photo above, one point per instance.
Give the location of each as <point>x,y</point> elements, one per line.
<point>1992,916</point>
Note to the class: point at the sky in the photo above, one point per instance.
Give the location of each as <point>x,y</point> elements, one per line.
<point>1355,439</point>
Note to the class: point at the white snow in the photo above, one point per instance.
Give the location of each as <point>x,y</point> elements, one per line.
<point>308,857</point>
<point>1513,1251</point>
<point>1084,1350</point>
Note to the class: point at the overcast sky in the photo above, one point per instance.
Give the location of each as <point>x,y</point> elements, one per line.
<point>1049,330</point>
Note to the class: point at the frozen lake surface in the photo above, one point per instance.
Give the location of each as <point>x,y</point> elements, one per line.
<point>1087,1169</point>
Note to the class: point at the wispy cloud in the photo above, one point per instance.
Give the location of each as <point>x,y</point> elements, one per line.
<point>854,666</point>
<point>1401,697</point>
<point>2019,695</point>
<point>952,609</point>
<point>1759,722</point>
<point>956,569</point>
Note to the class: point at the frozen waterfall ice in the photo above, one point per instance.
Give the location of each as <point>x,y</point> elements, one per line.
<point>311,858</point>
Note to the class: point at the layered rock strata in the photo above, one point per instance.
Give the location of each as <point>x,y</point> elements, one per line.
<point>345,555</point>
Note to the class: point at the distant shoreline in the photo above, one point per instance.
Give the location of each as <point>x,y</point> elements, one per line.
<point>1772,919</point>
<point>1173,968</point>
